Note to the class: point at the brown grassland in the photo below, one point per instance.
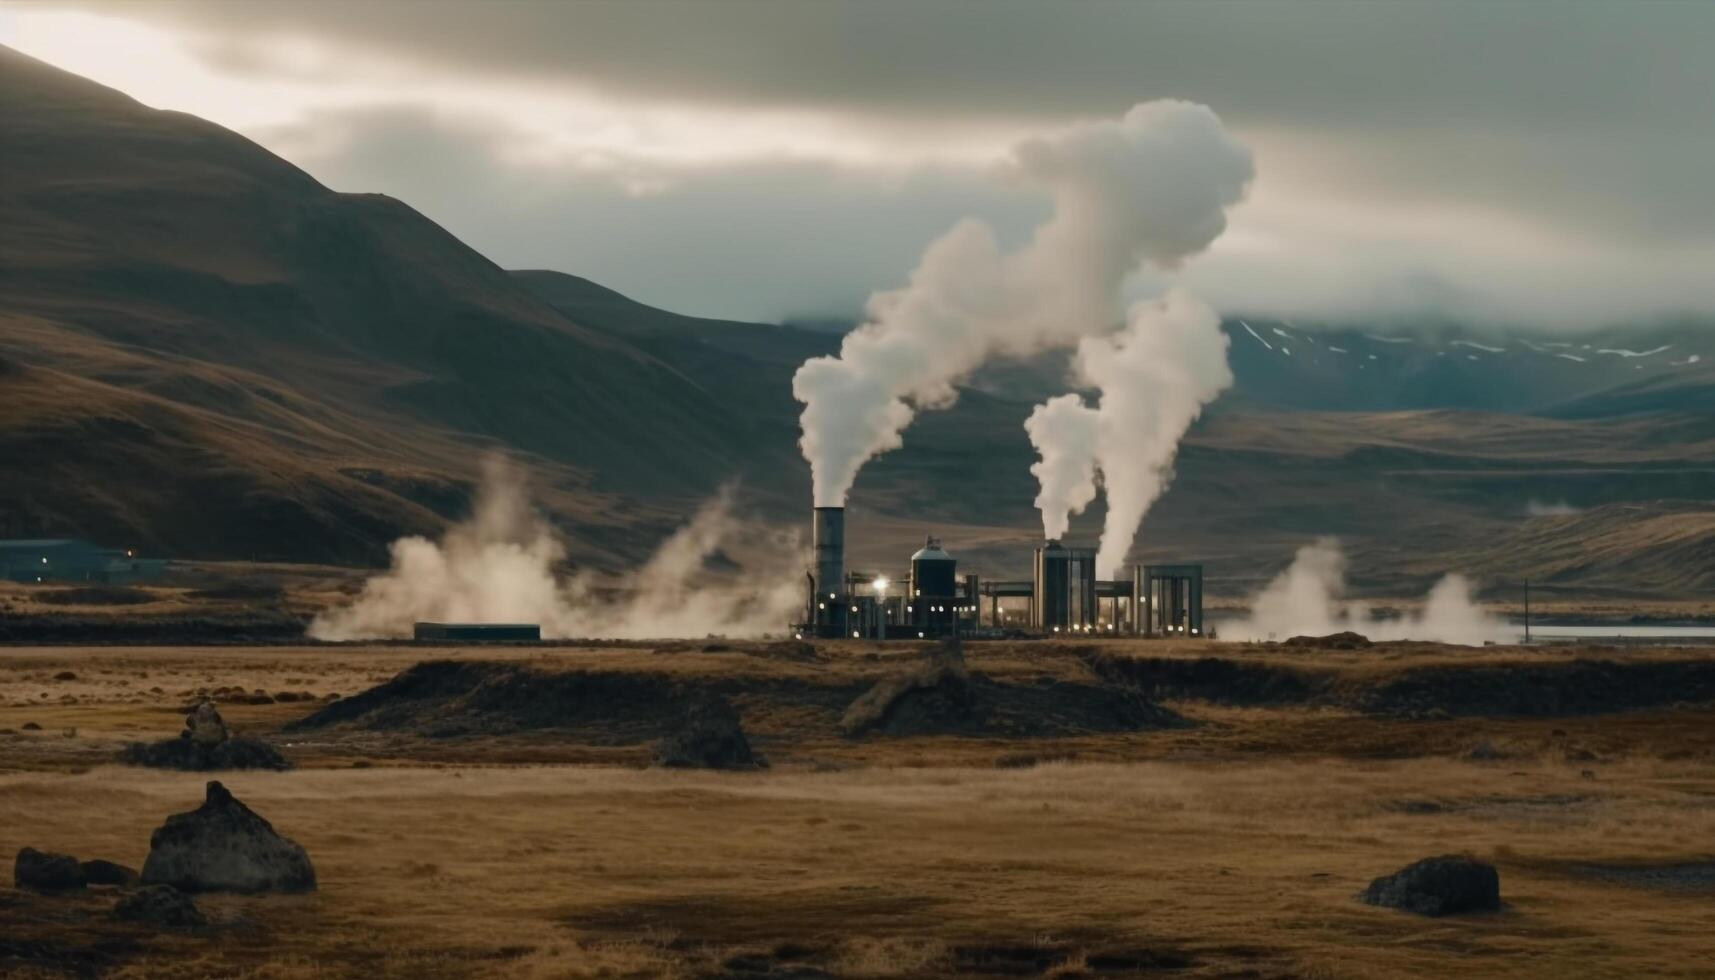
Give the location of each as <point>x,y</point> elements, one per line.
<point>1229,846</point>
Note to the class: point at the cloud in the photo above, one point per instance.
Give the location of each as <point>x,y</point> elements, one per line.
<point>1472,160</point>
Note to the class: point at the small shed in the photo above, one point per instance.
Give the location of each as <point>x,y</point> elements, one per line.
<point>477,632</point>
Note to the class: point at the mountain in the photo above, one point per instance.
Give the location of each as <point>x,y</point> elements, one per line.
<point>205,350</point>
<point>206,353</point>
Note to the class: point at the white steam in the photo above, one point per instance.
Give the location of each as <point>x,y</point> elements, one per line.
<point>1064,431</point>
<point>500,567</point>
<point>1307,600</point>
<point>1152,186</point>
<point>1154,377</point>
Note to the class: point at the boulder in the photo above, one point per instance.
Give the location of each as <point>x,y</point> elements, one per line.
<point>710,737</point>
<point>204,726</point>
<point>44,871</point>
<point>161,906</point>
<point>99,872</point>
<point>224,846</point>
<point>1446,885</point>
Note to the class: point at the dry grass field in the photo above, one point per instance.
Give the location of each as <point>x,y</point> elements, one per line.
<point>1230,844</point>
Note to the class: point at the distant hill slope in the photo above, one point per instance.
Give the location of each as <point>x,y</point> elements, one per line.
<point>205,353</point>
<point>152,253</point>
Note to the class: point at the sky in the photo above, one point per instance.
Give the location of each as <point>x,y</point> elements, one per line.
<point>1535,164</point>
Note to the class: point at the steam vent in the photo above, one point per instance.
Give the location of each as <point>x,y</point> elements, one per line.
<point>1063,596</point>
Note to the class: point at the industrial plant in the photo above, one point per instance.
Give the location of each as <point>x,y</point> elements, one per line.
<point>1063,596</point>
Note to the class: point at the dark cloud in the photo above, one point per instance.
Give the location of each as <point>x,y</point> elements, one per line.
<point>1522,160</point>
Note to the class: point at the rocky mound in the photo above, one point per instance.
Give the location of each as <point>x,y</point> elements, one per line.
<point>238,752</point>
<point>159,906</point>
<point>447,698</point>
<point>205,745</point>
<point>710,737</point>
<point>224,846</point>
<point>1446,885</point>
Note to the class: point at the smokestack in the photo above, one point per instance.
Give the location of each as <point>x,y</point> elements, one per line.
<point>829,534</point>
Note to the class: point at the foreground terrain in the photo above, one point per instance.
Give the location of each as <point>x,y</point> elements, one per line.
<point>1100,810</point>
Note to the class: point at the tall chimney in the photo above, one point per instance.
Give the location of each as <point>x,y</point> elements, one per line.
<point>829,534</point>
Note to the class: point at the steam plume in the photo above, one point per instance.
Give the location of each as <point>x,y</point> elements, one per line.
<point>1064,431</point>
<point>1152,186</point>
<point>1154,377</point>
<point>500,567</point>
<point>1306,599</point>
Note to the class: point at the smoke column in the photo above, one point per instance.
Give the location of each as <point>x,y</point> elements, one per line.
<point>1152,186</point>
<point>1154,377</point>
<point>1064,431</point>
<point>1307,600</point>
<point>500,567</point>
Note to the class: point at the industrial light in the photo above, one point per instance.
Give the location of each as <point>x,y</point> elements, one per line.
<point>44,559</point>
<point>1056,629</point>
<point>797,636</point>
<point>880,583</point>
<point>830,595</point>
<point>821,605</point>
<point>920,634</point>
<point>854,634</point>
<point>1193,631</point>
<point>909,608</point>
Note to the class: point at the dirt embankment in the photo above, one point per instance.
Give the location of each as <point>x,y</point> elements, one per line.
<point>449,699</point>
<point>1580,686</point>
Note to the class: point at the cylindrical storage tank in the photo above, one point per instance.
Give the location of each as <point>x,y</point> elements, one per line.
<point>828,534</point>
<point>933,572</point>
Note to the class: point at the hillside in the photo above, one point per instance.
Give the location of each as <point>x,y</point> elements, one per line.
<point>265,367</point>
<point>205,353</point>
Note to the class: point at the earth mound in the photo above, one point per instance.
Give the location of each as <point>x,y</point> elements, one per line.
<point>447,698</point>
<point>223,845</point>
<point>942,697</point>
<point>711,737</point>
<point>1345,640</point>
<point>1446,885</point>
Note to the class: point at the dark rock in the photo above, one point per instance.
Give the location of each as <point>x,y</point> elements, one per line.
<point>44,871</point>
<point>1346,640</point>
<point>65,675</point>
<point>30,726</point>
<point>237,752</point>
<point>1445,885</point>
<point>224,846</point>
<point>99,872</point>
<point>711,737</point>
<point>161,906</point>
<point>204,725</point>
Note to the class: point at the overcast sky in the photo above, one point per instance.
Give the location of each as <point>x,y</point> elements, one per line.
<point>1537,162</point>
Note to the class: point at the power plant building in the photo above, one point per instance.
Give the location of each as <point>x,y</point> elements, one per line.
<point>1062,597</point>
